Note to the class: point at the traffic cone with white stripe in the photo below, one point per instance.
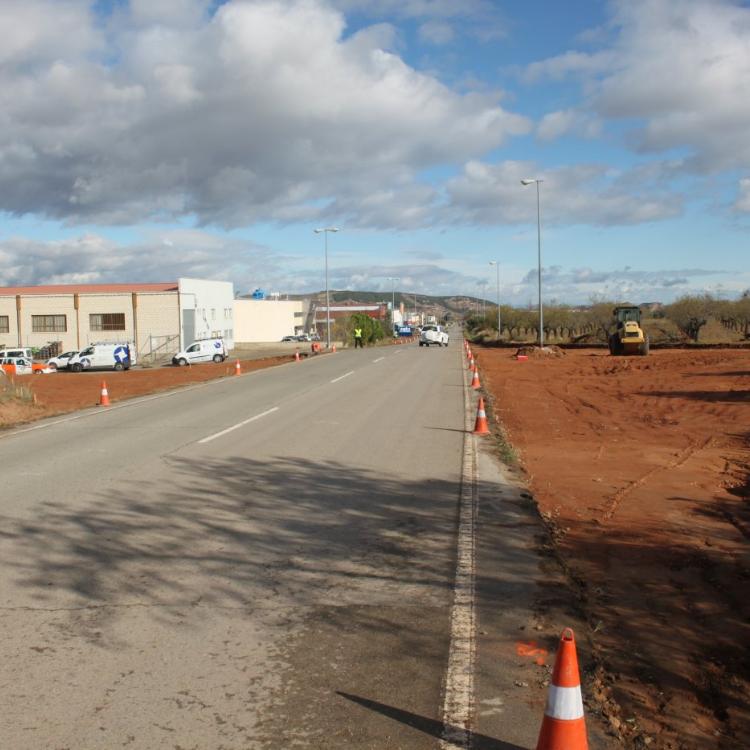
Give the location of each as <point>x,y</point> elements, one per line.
<point>563,726</point>
<point>471,364</point>
<point>237,368</point>
<point>480,426</point>
<point>475,380</point>
<point>296,356</point>
<point>104,398</point>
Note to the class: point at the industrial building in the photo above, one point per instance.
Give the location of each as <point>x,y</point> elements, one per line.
<point>154,318</point>
<point>258,320</point>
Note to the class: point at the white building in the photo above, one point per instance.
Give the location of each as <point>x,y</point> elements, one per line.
<point>257,320</point>
<point>154,318</point>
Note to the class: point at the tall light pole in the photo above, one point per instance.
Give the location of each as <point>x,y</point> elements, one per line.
<point>393,280</point>
<point>496,263</point>
<point>539,255</point>
<point>325,231</point>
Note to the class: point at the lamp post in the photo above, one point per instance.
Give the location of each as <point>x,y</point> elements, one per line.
<point>393,280</point>
<point>496,263</point>
<point>539,255</point>
<point>325,231</point>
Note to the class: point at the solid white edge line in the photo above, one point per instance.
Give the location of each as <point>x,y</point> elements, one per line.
<point>459,678</point>
<point>237,426</point>
<point>341,377</point>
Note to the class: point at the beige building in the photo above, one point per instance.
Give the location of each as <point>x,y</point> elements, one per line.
<point>154,318</point>
<point>258,320</point>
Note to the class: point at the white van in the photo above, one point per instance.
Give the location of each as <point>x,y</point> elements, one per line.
<point>206,350</point>
<point>24,352</point>
<point>103,357</point>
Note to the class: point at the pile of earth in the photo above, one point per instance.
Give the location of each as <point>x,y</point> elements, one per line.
<point>536,352</point>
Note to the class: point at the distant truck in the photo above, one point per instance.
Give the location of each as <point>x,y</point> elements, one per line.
<point>103,357</point>
<point>433,335</point>
<point>205,350</point>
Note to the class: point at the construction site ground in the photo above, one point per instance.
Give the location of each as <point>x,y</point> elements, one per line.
<point>640,467</point>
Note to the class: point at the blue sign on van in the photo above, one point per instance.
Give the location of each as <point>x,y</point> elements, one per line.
<point>404,331</point>
<point>122,354</point>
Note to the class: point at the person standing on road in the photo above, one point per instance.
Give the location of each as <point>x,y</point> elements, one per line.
<point>358,338</point>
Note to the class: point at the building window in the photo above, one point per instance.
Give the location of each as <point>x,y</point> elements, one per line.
<point>4,324</point>
<point>297,314</point>
<point>49,323</point>
<point>107,321</point>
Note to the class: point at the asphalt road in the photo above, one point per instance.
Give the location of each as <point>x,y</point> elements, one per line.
<point>261,562</point>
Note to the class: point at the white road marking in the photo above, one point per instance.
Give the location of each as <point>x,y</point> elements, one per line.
<point>379,359</point>
<point>459,677</point>
<point>341,377</point>
<point>237,426</point>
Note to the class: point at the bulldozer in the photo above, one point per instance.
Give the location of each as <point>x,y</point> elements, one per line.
<point>628,336</point>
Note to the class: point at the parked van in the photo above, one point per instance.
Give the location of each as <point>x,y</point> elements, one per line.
<point>206,350</point>
<point>23,366</point>
<point>103,357</point>
<point>24,352</point>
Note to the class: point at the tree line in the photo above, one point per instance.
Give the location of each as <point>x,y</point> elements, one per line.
<point>689,314</point>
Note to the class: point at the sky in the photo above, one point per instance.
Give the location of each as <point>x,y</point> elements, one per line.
<point>145,140</point>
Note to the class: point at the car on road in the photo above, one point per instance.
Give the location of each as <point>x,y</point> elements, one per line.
<point>290,338</point>
<point>433,334</point>
<point>60,362</point>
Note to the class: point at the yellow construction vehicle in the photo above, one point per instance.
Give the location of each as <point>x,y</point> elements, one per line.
<point>628,336</point>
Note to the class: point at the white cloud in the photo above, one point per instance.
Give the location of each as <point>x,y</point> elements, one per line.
<point>556,124</point>
<point>436,32</point>
<point>742,204</point>
<point>263,111</point>
<point>584,194</point>
<point>680,70</point>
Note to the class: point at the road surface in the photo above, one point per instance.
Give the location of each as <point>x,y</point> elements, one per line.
<point>268,561</point>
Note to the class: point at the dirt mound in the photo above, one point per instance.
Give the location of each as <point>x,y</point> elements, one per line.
<point>537,353</point>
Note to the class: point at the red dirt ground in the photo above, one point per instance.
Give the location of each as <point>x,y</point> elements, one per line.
<point>67,391</point>
<point>641,467</point>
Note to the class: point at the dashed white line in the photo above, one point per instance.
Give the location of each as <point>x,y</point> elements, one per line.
<point>237,426</point>
<point>379,359</point>
<point>341,377</point>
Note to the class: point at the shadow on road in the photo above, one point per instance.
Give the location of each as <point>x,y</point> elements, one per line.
<point>428,726</point>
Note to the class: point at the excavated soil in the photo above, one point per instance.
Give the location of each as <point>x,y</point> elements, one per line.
<point>64,391</point>
<point>641,466</point>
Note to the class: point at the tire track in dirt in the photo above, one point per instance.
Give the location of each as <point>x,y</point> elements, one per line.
<point>614,500</point>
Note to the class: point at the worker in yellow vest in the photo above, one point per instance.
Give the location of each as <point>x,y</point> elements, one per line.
<point>358,338</point>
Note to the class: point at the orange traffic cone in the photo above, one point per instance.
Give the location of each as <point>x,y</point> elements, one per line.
<point>333,348</point>
<point>104,399</point>
<point>563,726</point>
<point>475,380</point>
<point>296,356</point>
<point>471,364</point>
<point>237,368</point>
<point>480,426</point>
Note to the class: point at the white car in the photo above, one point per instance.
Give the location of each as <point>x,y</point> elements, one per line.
<point>60,362</point>
<point>433,335</point>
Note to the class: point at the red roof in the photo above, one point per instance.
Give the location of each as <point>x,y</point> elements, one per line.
<point>11,291</point>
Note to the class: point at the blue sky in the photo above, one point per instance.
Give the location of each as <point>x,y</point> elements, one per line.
<point>148,139</point>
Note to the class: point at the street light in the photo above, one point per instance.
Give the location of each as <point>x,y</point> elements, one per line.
<point>325,231</point>
<point>496,263</point>
<point>539,255</point>
<point>393,280</point>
